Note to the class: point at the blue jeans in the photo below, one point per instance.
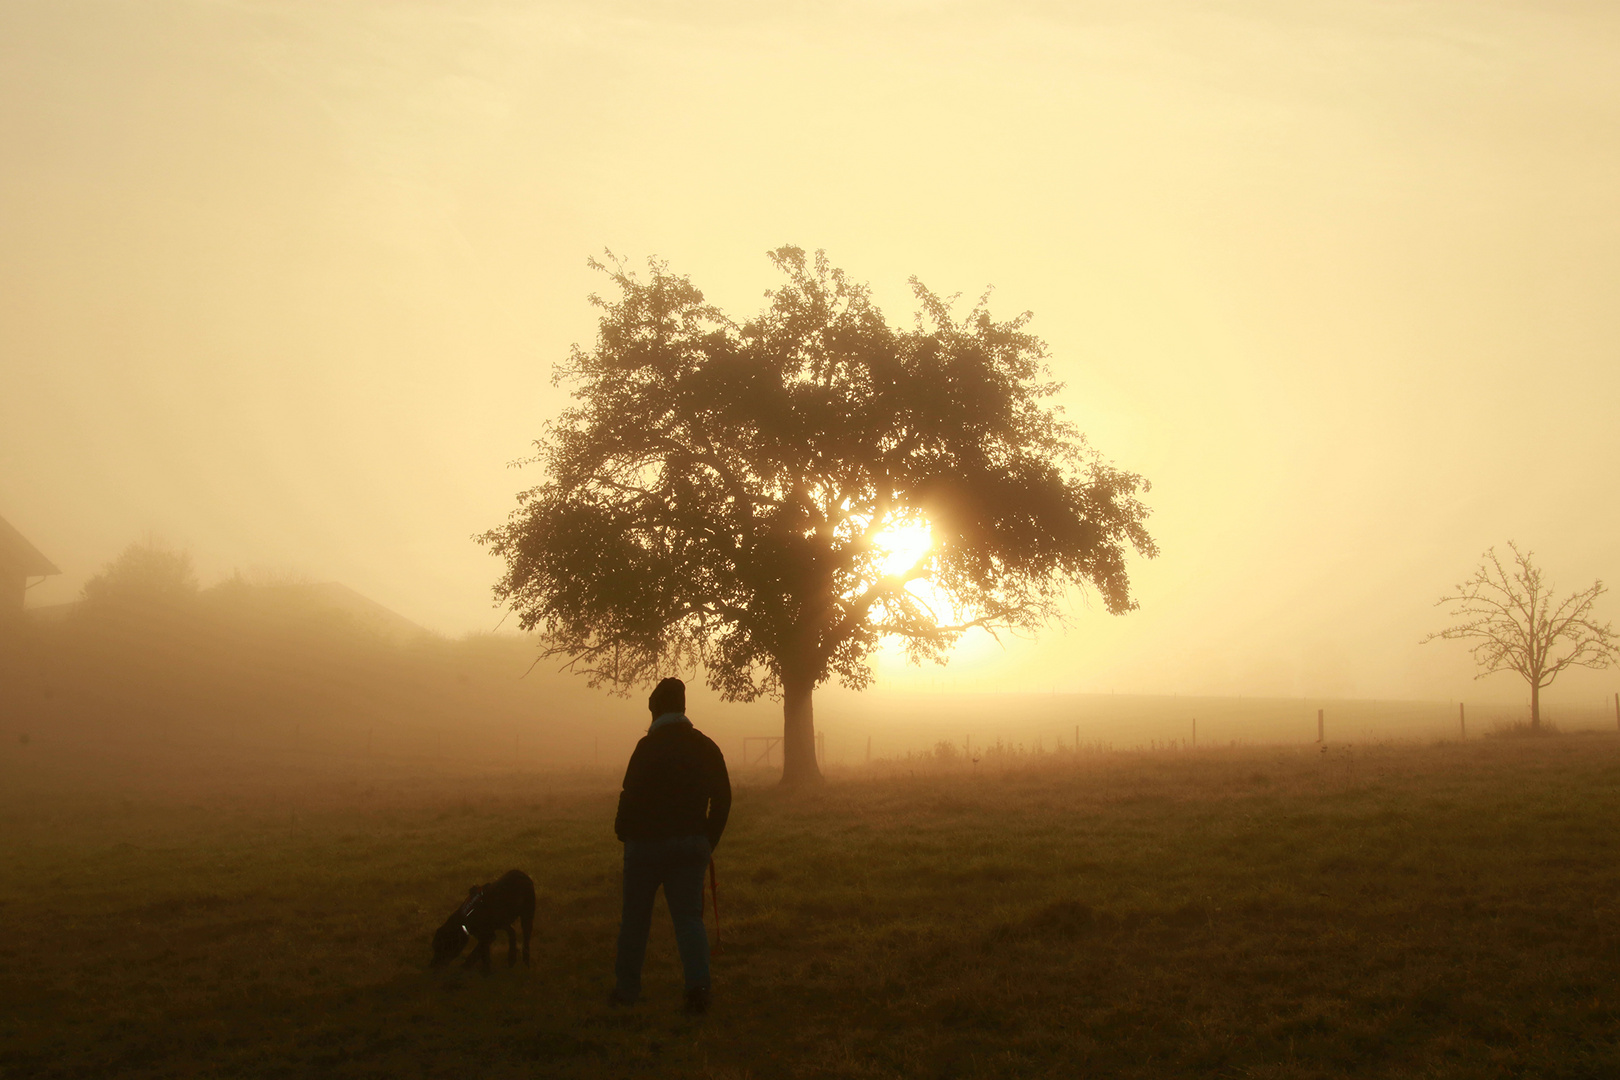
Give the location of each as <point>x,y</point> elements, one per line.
<point>677,864</point>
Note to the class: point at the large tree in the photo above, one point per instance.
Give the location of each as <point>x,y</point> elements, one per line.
<point>1516,623</point>
<point>768,500</point>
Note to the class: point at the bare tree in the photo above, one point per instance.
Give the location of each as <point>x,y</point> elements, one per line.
<point>1510,615</point>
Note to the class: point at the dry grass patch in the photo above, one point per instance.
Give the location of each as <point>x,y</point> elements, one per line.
<point>1382,911</point>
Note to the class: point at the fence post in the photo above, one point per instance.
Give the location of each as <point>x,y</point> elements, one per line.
<point>1195,733</point>
<point>1319,726</point>
<point>1462,722</point>
<point>869,749</point>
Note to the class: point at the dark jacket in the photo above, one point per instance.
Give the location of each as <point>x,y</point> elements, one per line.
<point>675,785</point>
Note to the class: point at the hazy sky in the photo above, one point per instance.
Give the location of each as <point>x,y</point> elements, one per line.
<point>283,282</point>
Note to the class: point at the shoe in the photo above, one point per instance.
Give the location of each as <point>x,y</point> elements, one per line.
<point>617,1000</point>
<point>697,1002</point>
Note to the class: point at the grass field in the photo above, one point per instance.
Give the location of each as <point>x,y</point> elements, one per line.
<point>1446,910</point>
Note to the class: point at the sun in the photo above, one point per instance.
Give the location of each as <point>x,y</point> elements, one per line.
<point>900,546</point>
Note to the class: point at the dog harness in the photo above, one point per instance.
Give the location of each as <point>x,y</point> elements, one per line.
<point>464,912</point>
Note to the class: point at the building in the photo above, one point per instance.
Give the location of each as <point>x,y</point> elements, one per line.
<point>20,562</point>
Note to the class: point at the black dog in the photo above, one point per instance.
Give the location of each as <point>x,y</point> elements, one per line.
<point>488,910</point>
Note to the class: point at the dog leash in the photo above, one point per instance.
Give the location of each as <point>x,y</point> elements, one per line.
<point>714,890</point>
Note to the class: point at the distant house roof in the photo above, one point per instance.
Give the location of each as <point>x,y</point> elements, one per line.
<point>18,556</point>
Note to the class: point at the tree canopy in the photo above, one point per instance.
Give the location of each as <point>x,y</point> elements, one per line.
<point>720,493</point>
<point>146,575</point>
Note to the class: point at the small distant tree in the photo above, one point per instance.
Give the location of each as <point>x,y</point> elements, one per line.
<point>146,575</point>
<point>720,492</point>
<point>1516,624</point>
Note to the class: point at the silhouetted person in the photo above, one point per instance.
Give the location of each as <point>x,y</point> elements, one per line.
<point>671,813</point>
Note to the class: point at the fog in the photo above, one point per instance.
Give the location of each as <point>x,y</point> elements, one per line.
<point>153,684</point>
<point>281,285</point>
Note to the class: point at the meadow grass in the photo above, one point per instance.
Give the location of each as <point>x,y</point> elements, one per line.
<point>1445,910</point>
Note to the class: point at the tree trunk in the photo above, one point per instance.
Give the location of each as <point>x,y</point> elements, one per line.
<point>799,733</point>
<point>1535,706</point>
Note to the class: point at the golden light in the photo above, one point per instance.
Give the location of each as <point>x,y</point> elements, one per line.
<point>900,546</point>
